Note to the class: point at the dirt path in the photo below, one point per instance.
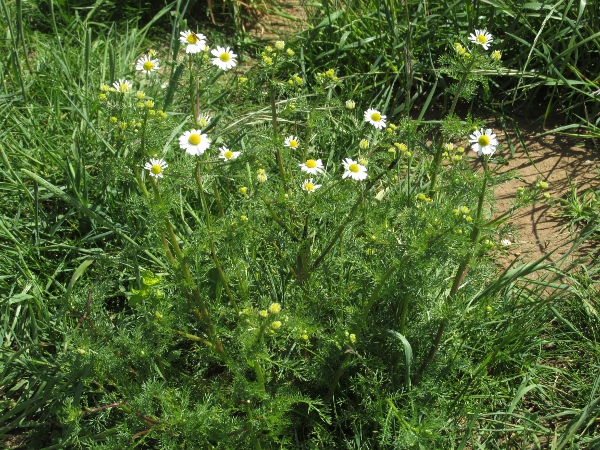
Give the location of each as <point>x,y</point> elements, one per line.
<point>559,161</point>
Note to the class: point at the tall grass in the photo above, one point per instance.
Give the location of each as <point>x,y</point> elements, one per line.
<point>549,49</point>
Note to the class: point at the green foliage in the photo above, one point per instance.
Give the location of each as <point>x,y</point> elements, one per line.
<point>238,301</point>
<point>549,51</point>
<point>580,209</point>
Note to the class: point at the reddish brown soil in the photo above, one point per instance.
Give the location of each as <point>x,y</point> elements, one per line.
<point>559,160</point>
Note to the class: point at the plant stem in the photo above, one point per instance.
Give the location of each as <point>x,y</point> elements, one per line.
<point>250,429</point>
<point>359,325</point>
<point>438,154</point>
<point>260,375</point>
<point>196,299</point>
<point>276,128</point>
<point>460,273</point>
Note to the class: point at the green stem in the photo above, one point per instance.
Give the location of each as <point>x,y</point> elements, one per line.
<point>359,325</point>
<point>260,375</point>
<point>250,428</point>
<point>202,196</point>
<point>403,314</point>
<point>279,221</point>
<point>374,296</point>
<point>196,299</point>
<point>213,254</point>
<point>213,251</point>
<point>460,273</point>
<point>218,197</point>
<point>438,154</point>
<point>276,130</point>
<point>337,234</point>
<point>140,182</point>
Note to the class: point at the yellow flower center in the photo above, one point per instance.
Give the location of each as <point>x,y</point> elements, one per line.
<point>192,38</point>
<point>309,187</point>
<point>123,87</point>
<point>228,154</point>
<point>224,57</point>
<point>194,139</point>
<point>353,168</point>
<point>156,169</point>
<point>375,117</point>
<point>148,66</point>
<point>311,164</point>
<point>293,143</point>
<point>483,140</point>
<point>482,39</point>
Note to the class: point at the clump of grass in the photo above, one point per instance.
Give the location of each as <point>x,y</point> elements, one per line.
<point>550,52</point>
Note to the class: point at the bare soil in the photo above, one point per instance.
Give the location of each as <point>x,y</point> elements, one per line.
<point>561,161</point>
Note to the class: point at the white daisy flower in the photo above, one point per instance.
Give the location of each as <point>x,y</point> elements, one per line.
<point>354,170</point>
<point>196,42</point>
<point>228,155</point>
<point>375,118</point>
<point>292,142</point>
<point>155,167</point>
<point>261,175</point>
<point>484,143</point>
<point>203,120</point>
<point>224,58</point>
<point>309,186</point>
<point>311,166</point>
<point>147,64</point>
<point>481,37</point>
<point>194,142</point>
<point>122,86</point>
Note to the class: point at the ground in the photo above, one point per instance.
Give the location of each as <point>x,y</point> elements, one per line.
<point>559,160</point>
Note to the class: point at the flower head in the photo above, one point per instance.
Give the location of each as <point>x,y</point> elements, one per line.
<point>194,142</point>
<point>363,144</point>
<point>275,308</point>
<point>261,176</point>
<point>203,120</point>
<point>496,55</point>
<point>224,58</point>
<point>460,49</point>
<point>311,166</point>
<point>195,42</point>
<point>375,118</point>
<point>147,64</point>
<point>309,186</point>
<point>155,167</point>
<point>354,170</point>
<point>484,143</point>
<point>228,155</point>
<point>350,104</point>
<point>292,142</point>
<point>481,37</point>
<point>122,86</point>
<point>280,45</point>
